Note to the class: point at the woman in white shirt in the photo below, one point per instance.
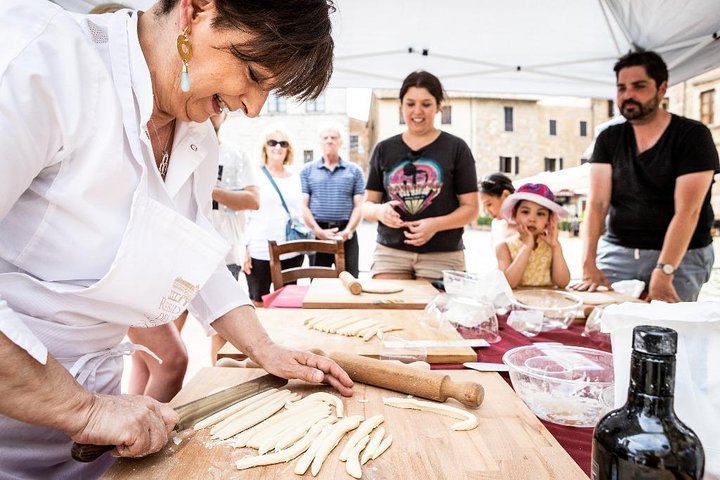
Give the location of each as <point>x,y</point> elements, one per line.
<point>268,222</point>
<point>106,173</point>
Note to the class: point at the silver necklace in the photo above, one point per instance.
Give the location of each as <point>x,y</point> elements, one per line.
<point>165,159</point>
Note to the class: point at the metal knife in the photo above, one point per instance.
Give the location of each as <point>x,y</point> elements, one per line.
<point>487,366</point>
<point>192,412</point>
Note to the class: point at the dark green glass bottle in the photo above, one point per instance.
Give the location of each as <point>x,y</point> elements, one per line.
<point>644,439</point>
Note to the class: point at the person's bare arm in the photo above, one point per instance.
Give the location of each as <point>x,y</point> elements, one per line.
<point>513,269</point>
<point>690,191</point>
<point>375,211</point>
<point>47,395</point>
<point>597,208</point>
<point>241,327</point>
<point>421,231</point>
<point>247,199</point>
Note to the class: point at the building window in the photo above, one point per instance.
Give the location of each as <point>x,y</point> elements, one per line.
<point>553,127</point>
<point>550,164</point>
<point>611,109</point>
<point>707,107</point>
<point>400,116</point>
<point>446,115</point>
<point>508,119</point>
<point>505,165</point>
<point>583,129</point>
<point>354,143</point>
<point>307,156</point>
<point>317,105</point>
<point>276,104</point>
<point>517,165</point>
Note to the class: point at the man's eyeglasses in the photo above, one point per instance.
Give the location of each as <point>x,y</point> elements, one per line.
<point>273,143</point>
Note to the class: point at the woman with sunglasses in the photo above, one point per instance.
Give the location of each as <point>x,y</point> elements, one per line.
<point>268,222</point>
<point>421,189</point>
<point>494,189</point>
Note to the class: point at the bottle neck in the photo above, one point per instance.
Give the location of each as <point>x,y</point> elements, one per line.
<point>652,382</point>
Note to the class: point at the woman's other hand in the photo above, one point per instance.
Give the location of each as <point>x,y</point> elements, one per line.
<point>388,216</point>
<point>420,231</point>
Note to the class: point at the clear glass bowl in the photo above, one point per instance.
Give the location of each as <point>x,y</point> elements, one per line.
<point>565,385</point>
<point>559,308</point>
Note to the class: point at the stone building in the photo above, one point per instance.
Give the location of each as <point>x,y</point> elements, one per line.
<point>301,121</point>
<point>518,135</point>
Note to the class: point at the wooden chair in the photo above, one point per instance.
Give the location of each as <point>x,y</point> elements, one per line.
<point>280,277</point>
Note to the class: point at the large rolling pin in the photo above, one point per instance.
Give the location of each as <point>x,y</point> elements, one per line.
<point>351,283</point>
<point>404,379</point>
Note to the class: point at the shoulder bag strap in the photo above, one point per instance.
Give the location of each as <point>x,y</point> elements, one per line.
<point>267,173</point>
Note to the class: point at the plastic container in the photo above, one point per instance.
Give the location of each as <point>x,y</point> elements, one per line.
<point>565,385</point>
<point>559,308</point>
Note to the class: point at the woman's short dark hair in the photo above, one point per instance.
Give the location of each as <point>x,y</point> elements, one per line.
<point>423,79</point>
<point>495,184</point>
<point>292,40</point>
<point>652,62</point>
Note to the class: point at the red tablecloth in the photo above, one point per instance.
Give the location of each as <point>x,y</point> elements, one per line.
<point>575,440</point>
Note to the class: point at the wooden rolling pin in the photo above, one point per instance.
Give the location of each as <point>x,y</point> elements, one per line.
<point>404,379</point>
<point>351,283</point>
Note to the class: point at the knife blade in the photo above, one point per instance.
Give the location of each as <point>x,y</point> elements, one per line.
<point>192,412</point>
<point>487,366</point>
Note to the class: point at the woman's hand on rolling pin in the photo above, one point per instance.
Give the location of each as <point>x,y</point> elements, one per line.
<point>388,216</point>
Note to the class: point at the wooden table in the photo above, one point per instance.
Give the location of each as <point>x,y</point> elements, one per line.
<point>509,443</point>
<point>285,326</point>
<point>331,293</point>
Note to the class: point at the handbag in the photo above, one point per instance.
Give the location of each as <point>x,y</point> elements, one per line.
<point>294,229</point>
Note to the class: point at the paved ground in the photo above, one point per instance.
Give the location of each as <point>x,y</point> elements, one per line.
<point>479,257</point>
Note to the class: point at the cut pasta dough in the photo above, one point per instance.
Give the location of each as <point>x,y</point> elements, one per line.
<point>469,420</point>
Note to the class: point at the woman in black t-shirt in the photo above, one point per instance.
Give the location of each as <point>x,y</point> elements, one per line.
<point>421,189</point>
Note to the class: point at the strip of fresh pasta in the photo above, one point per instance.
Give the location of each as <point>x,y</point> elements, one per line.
<point>363,429</point>
<point>352,467</point>
<point>284,455</point>
<point>245,438</point>
<point>372,445</point>
<point>332,324</point>
<point>249,420</point>
<point>345,425</point>
<point>319,396</point>
<point>469,421</point>
<point>304,462</point>
<point>223,414</point>
<point>384,445</point>
<point>267,440</point>
<point>352,329</point>
<point>290,437</point>
<point>280,394</point>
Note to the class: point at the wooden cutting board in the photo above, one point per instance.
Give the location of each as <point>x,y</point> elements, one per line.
<point>285,326</point>
<point>331,293</point>
<point>509,443</point>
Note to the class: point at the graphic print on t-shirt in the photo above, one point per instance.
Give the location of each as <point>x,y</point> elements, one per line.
<point>415,184</point>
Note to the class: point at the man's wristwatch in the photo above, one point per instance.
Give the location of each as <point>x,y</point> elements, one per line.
<point>665,268</point>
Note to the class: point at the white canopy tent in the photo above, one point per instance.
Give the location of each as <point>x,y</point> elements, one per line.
<point>553,47</point>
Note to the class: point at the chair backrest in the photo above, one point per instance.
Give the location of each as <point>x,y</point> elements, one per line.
<point>280,277</point>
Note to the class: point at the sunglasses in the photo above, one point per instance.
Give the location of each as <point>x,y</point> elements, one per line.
<point>273,143</point>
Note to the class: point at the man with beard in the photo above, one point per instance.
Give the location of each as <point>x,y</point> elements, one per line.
<point>651,176</point>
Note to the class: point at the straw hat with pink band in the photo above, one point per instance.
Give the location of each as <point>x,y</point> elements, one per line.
<point>535,192</point>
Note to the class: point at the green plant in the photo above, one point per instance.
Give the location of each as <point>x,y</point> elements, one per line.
<point>483,220</point>
<point>564,225</point>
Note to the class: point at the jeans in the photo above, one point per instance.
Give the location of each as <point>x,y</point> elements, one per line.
<point>623,263</point>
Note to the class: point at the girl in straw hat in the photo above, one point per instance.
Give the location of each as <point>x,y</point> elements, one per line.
<point>533,257</point>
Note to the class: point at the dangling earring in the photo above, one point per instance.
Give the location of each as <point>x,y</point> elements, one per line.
<point>185,51</point>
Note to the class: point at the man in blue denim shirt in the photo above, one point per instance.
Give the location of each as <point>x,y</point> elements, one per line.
<point>332,196</point>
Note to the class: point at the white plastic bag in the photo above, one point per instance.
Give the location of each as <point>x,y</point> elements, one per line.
<point>697,371</point>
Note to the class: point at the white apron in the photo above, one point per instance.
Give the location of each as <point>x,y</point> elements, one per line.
<point>162,262</point>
